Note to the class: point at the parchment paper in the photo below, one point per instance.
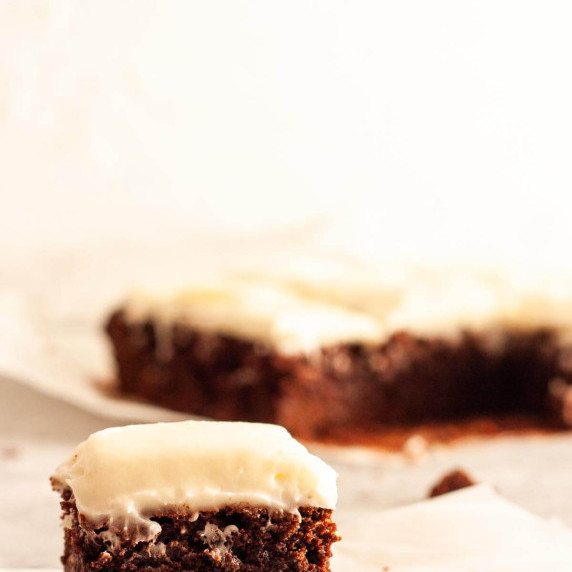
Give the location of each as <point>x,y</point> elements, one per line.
<point>51,340</point>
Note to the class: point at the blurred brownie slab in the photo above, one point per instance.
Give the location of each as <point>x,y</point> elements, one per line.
<point>196,496</point>
<point>317,362</point>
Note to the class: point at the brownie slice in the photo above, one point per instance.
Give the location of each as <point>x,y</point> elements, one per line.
<point>236,538</point>
<point>196,495</point>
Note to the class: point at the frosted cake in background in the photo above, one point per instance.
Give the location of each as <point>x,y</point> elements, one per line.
<point>360,352</point>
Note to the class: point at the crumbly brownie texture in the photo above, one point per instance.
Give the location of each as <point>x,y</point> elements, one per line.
<point>407,379</point>
<point>234,539</point>
<point>451,482</point>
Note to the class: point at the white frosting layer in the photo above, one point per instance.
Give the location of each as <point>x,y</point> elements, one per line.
<point>439,300</point>
<point>257,311</point>
<point>130,472</point>
<point>300,313</point>
<point>473,530</point>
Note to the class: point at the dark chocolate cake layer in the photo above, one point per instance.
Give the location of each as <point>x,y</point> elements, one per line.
<point>407,379</point>
<point>233,539</point>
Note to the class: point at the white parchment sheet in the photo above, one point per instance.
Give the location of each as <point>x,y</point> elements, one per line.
<point>51,341</point>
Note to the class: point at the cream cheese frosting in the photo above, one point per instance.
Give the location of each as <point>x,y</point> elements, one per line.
<point>128,473</point>
<point>256,311</point>
<point>299,314</point>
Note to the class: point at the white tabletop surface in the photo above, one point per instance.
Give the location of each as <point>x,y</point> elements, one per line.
<point>36,433</point>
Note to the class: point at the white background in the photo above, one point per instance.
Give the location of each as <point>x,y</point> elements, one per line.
<point>426,129</point>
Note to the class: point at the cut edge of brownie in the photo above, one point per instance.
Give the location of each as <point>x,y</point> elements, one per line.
<point>236,537</point>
